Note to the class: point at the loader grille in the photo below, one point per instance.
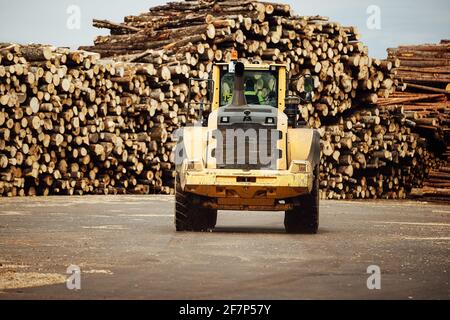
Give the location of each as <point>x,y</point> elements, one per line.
<point>248,147</point>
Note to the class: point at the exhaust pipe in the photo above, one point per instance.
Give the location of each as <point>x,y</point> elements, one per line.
<point>238,94</point>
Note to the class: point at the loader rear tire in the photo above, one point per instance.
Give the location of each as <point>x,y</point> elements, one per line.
<point>189,216</point>
<point>212,218</point>
<point>305,217</point>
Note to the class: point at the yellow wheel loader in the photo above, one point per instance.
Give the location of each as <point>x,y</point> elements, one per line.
<point>250,153</point>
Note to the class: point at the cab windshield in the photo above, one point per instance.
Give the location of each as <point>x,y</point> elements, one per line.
<point>260,88</point>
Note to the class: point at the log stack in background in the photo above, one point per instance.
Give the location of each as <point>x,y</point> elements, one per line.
<point>368,150</point>
<point>71,123</point>
<point>194,34</point>
<point>424,82</point>
<point>347,81</point>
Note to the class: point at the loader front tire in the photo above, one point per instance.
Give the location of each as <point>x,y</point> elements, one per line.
<point>189,216</point>
<point>304,218</point>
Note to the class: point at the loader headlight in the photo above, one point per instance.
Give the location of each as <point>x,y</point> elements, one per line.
<point>225,119</point>
<point>270,120</point>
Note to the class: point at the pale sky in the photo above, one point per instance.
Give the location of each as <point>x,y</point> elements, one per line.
<point>402,21</point>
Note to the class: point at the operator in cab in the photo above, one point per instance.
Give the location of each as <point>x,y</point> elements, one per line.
<point>251,95</point>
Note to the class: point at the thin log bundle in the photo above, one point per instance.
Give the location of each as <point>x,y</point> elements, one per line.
<point>436,186</point>
<point>424,79</point>
<point>425,67</point>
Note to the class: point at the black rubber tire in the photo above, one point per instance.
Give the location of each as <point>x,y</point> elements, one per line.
<point>304,218</point>
<point>189,216</point>
<point>212,218</point>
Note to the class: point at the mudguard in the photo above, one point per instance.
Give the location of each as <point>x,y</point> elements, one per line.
<point>303,144</point>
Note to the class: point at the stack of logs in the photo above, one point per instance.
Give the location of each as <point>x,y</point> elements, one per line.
<point>424,79</point>
<point>375,155</point>
<point>368,150</point>
<point>359,141</point>
<point>71,123</point>
<point>424,67</point>
<point>194,34</point>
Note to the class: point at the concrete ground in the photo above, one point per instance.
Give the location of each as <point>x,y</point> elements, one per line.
<point>126,248</point>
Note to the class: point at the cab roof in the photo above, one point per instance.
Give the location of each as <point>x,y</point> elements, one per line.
<point>255,66</point>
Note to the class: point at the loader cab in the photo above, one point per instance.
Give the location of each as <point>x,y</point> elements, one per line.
<point>264,86</point>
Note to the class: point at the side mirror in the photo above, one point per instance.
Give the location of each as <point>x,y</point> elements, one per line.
<point>308,88</point>
<point>291,104</point>
<point>210,89</point>
<point>203,120</point>
<point>305,85</point>
<point>309,84</point>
